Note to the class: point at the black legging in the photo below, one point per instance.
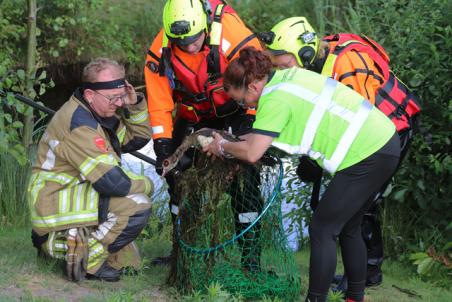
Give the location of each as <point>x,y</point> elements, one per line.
<point>339,214</point>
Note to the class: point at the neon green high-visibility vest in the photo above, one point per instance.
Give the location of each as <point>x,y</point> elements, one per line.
<point>312,114</point>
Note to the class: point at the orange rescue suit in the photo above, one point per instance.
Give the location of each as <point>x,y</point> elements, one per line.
<point>161,96</point>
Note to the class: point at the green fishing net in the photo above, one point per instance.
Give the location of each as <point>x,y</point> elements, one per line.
<point>229,230</point>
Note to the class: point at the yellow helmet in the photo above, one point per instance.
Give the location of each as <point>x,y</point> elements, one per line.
<point>296,36</point>
<point>185,20</point>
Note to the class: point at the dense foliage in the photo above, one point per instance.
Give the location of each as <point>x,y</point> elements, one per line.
<point>416,34</point>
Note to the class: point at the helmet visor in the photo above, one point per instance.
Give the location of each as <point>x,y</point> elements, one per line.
<point>186,40</point>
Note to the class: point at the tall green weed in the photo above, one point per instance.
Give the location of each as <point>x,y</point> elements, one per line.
<point>13,191</point>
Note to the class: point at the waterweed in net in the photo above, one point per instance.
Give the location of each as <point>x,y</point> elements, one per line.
<point>229,230</point>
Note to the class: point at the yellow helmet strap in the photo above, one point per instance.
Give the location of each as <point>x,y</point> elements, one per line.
<point>208,10</point>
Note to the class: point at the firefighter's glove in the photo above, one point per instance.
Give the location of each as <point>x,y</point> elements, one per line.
<point>308,170</point>
<point>163,148</point>
<point>77,253</point>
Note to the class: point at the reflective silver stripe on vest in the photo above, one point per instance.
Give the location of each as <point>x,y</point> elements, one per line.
<point>321,106</point>
<point>49,163</point>
<point>347,139</point>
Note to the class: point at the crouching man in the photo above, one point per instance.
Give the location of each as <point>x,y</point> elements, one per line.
<point>85,208</point>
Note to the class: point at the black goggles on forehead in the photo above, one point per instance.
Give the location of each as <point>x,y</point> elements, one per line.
<point>119,83</point>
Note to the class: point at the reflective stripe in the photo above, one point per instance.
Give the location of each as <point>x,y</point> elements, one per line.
<point>63,200</point>
<point>348,138</point>
<point>90,163</point>
<point>105,227</point>
<point>329,65</point>
<point>36,184</point>
<point>78,197</point>
<point>61,246</point>
<point>290,149</point>
<point>93,197</point>
<point>56,246</point>
<point>157,130</point>
<point>145,179</point>
<point>216,27</point>
<point>121,134</point>
<point>49,163</point>
<point>138,198</point>
<point>139,117</point>
<point>342,112</point>
<point>61,178</point>
<point>225,45</point>
<point>310,97</point>
<point>96,253</point>
<point>148,185</point>
<point>296,90</point>
<point>321,106</point>
<point>57,220</point>
<point>174,209</point>
<point>323,103</point>
<point>247,217</point>
<point>50,243</point>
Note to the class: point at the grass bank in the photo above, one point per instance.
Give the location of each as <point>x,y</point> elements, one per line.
<point>24,278</point>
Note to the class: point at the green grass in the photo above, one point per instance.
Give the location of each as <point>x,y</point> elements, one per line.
<point>24,278</point>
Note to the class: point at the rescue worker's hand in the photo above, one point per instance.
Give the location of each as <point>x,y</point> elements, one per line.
<point>216,148</point>
<point>163,148</point>
<point>131,98</point>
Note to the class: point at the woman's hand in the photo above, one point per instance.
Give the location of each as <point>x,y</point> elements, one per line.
<point>213,149</point>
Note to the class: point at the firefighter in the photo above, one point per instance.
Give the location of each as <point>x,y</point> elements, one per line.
<point>363,65</point>
<point>305,113</point>
<point>85,208</point>
<point>183,74</point>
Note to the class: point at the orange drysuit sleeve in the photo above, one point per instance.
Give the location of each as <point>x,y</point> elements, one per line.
<point>160,102</point>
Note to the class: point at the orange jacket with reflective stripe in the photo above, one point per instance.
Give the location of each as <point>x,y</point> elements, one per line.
<point>160,95</point>
<point>363,65</point>
<point>356,70</point>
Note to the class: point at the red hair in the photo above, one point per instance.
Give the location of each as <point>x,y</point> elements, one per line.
<point>252,64</point>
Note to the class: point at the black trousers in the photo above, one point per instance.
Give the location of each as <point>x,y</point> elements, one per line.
<point>371,226</point>
<point>339,215</point>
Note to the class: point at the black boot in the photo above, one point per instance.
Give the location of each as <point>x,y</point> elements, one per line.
<point>374,275</point>
<point>342,285</point>
<point>105,273</point>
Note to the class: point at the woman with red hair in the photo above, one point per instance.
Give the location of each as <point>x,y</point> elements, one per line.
<point>305,113</point>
